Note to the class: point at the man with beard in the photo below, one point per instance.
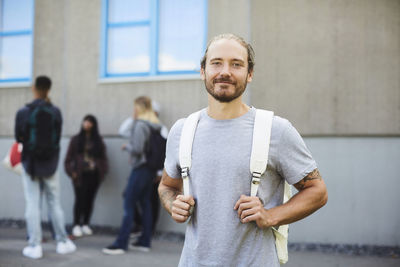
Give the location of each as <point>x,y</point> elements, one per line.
<point>228,227</point>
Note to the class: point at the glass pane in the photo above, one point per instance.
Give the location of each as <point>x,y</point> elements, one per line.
<point>16,57</point>
<point>182,32</point>
<point>128,50</point>
<point>16,15</point>
<point>128,10</point>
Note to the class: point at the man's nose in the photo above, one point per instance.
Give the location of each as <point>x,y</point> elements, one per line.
<point>225,70</point>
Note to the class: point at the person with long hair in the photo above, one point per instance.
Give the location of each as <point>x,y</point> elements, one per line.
<point>140,182</point>
<point>125,132</point>
<point>86,164</point>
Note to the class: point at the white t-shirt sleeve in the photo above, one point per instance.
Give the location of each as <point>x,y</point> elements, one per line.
<point>294,159</point>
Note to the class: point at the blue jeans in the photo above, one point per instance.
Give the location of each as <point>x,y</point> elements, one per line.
<point>32,191</point>
<point>138,189</point>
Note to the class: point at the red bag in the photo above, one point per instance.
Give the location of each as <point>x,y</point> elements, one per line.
<point>12,161</point>
<point>15,154</point>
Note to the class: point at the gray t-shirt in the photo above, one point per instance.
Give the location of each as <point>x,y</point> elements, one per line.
<point>220,173</point>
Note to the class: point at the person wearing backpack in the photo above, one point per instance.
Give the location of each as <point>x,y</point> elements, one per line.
<point>86,163</point>
<point>231,219</point>
<point>38,128</point>
<point>147,152</point>
<point>125,131</point>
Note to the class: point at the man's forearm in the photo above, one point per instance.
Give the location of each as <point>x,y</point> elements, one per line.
<point>312,195</point>
<point>299,206</point>
<point>167,196</point>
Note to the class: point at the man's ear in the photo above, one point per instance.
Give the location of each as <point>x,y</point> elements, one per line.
<point>202,74</point>
<point>250,76</point>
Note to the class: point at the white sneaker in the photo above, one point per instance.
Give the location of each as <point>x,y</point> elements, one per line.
<point>86,230</point>
<point>33,252</point>
<point>77,231</point>
<point>65,247</point>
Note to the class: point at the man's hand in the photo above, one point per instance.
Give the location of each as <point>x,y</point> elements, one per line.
<point>177,205</point>
<point>182,208</point>
<point>312,195</point>
<point>251,209</point>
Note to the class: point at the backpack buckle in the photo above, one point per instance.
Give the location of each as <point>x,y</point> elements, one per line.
<point>185,179</point>
<point>185,172</point>
<point>256,178</point>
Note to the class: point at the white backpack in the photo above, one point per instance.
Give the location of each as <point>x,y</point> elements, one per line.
<point>258,165</point>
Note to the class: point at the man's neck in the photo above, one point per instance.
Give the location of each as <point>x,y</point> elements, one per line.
<point>38,96</point>
<point>226,111</point>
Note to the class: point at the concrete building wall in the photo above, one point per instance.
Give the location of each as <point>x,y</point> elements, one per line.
<point>82,90</point>
<point>361,207</point>
<point>331,67</point>
<point>362,180</point>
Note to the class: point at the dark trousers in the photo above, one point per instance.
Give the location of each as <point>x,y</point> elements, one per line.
<point>85,193</point>
<point>155,202</point>
<point>138,190</point>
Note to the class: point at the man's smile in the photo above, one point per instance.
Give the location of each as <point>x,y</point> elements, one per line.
<point>224,81</point>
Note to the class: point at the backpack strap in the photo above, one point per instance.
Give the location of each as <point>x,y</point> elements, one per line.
<point>260,148</point>
<point>185,148</point>
<point>258,165</point>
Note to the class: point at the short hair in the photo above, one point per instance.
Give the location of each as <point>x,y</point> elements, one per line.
<point>43,83</point>
<point>240,40</point>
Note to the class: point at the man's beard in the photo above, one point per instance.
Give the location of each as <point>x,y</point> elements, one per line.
<point>223,97</point>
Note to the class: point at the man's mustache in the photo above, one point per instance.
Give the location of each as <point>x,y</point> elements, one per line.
<point>223,80</point>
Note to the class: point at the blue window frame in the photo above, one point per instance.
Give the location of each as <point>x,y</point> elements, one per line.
<point>16,27</point>
<point>152,37</point>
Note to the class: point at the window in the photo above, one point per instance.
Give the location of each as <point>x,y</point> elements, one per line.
<point>152,37</point>
<point>16,24</point>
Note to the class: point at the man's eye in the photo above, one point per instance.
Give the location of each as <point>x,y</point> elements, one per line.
<point>237,65</point>
<point>215,63</point>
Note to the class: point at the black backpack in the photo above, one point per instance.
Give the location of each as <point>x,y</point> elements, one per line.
<point>155,150</point>
<point>42,135</point>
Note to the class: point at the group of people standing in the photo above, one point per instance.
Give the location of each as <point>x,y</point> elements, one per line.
<point>86,164</point>
<point>230,224</point>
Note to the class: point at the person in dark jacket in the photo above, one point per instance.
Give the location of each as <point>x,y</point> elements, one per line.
<point>40,157</point>
<point>86,164</point>
<point>140,183</point>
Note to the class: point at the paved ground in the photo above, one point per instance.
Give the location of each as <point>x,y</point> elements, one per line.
<point>163,253</point>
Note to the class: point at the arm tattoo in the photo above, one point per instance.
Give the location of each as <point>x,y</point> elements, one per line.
<point>314,175</point>
<point>167,196</point>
